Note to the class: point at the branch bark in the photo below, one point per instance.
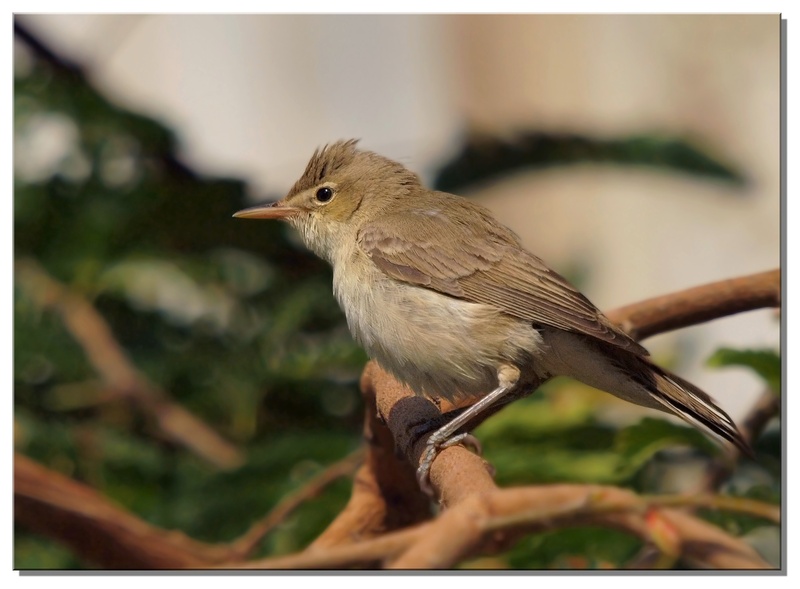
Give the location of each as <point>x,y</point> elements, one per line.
<point>699,304</point>
<point>388,521</point>
<point>98,530</point>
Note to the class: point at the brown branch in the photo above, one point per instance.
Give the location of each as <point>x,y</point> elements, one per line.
<point>385,494</point>
<point>108,358</point>
<point>492,522</point>
<point>699,304</point>
<point>105,534</point>
<point>353,555</point>
<point>373,529</point>
<point>723,502</point>
<point>98,530</point>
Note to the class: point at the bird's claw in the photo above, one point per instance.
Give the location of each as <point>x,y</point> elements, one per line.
<point>432,450</point>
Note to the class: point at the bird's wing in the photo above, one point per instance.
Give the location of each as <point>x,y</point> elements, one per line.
<point>474,258</point>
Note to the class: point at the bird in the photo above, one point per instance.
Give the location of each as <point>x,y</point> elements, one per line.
<point>449,302</point>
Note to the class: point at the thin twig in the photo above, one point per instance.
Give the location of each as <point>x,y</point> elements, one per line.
<point>721,502</point>
<point>108,358</point>
<point>360,554</point>
<point>344,467</point>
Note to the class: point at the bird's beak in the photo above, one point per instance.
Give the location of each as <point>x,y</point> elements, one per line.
<point>274,210</point>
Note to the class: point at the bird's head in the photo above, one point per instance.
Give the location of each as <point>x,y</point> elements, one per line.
<point>342,189</point>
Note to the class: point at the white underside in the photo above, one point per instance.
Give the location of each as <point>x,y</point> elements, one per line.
<point>437,345</point>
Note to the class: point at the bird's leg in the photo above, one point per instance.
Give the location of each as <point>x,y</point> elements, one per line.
<point>442,438</point>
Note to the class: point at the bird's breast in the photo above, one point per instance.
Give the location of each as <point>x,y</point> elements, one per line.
<point>436,344</point>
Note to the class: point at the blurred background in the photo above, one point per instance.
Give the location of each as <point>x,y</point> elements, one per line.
<point>637,155</point>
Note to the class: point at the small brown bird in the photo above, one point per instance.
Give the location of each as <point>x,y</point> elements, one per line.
<point>447,300</point>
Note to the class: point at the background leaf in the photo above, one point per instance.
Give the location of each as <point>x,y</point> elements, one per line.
<point>765,363</point>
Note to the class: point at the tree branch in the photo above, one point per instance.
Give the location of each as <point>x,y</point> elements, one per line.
<point>387,520</point>
<point>96,529</point>
<point>699,304</point>
<point>493,521</point>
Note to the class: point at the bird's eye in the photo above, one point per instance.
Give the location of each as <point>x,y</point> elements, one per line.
<point>324,194</point>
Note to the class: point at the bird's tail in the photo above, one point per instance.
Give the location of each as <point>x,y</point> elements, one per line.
<point>636,379</point>
<point>688,402</point>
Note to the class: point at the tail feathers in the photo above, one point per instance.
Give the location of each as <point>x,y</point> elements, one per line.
<point>636,379</point>
<point>688,402</point>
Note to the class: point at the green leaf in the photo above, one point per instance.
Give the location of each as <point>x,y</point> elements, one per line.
<point>766,363</point>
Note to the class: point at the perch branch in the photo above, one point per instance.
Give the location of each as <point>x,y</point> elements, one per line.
<point>457,475</point>
<point>387,521</point>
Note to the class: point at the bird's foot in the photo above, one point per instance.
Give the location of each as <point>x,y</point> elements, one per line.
<point>443,437</point>
<point>436,445</point>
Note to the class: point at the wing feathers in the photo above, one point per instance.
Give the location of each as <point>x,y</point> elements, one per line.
<point>478,260</point>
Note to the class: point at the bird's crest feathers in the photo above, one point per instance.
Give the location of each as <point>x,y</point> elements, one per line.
<point>325,162</point>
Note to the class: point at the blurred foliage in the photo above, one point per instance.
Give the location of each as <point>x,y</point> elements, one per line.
<point>765,363</point>
<point>485,158</point>
<point>238,324</point>
<point>232,318</point>
<point>574,548</point>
